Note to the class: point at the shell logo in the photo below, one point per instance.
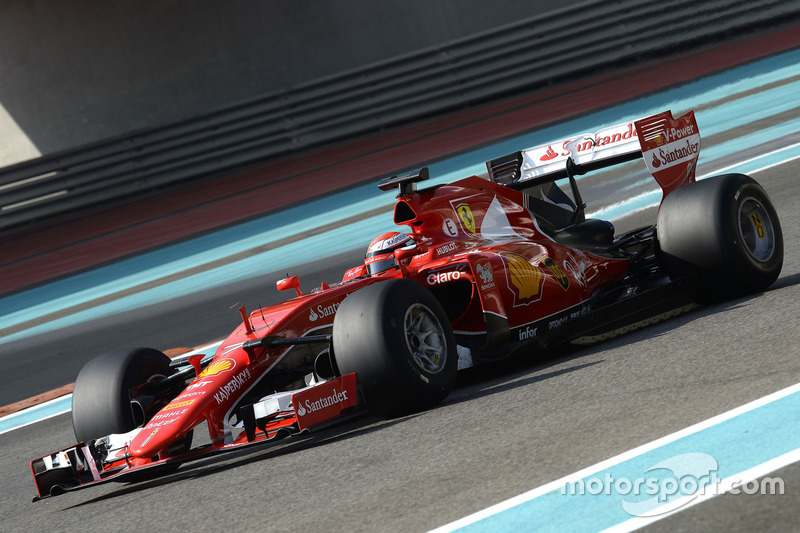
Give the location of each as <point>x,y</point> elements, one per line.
<point>217,367</point>
<point>524,279</point>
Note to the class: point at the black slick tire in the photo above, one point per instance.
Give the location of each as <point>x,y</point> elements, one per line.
<point>726,230</point>
<point>101,399</point>
<point>397,338</point>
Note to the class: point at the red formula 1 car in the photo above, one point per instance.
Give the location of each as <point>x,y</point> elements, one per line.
<point>489,268</point>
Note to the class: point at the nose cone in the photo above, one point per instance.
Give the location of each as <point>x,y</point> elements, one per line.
<point>209,397</point>
<point>170,424</point>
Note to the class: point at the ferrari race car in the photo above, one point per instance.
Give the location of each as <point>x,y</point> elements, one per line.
<point>489,269</point>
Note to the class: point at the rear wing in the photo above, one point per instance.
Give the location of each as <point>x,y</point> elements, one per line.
<point>669,146</point>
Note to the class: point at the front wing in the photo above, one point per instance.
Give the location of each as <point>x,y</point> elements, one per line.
<point>273,418</point>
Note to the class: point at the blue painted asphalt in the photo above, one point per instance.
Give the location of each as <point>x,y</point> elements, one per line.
<point>105,282</point>
<point>40,412</point>
<point>652,197</point>
<point>650,480</point>
<point>62,405</point>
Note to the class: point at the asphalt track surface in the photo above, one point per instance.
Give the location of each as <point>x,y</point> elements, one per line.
<point>502,432</point>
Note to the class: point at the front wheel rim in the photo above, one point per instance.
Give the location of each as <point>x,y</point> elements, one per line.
<point>755,230</point>
<point>425,338</point>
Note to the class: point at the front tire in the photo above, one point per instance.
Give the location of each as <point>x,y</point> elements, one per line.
<point>101,399</point>
<point>725,229</point>
<point>397,338</point>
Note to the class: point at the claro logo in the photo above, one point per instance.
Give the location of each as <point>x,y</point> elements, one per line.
<point>443,277</point>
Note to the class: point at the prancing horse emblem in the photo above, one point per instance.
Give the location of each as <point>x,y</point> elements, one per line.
<point>465,214</point>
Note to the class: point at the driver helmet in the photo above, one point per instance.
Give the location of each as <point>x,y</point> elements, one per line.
<point>380,254</point>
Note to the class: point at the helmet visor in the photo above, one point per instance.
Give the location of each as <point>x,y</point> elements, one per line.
<point>381,264</point>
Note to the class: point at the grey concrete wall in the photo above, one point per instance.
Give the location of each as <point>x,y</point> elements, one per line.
<point>76,72</point>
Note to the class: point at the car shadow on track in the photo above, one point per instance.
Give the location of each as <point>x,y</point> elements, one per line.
<point>482,382</point>
<point>525,369</point>
<point>786,281</point>
<point>357,426</point>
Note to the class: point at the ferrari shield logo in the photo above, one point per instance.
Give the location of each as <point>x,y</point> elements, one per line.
<point>557,271</point>
<point>465,214</point>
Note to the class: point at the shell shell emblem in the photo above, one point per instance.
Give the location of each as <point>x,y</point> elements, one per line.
<point>524,279</point>
<point>217,367</point>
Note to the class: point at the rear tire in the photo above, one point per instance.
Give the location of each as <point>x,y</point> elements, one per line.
<point>397,338</point>
<point>101,399</point>
<point>725,229</point>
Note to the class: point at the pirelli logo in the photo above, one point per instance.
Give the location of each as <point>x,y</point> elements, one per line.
<point>178,405</point>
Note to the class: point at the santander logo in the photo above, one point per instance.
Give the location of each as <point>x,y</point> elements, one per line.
<point>656,162</point>
<point>550,154</point>
<point>322,311</point>
<point>334,397</point>
<point>324,401</point>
